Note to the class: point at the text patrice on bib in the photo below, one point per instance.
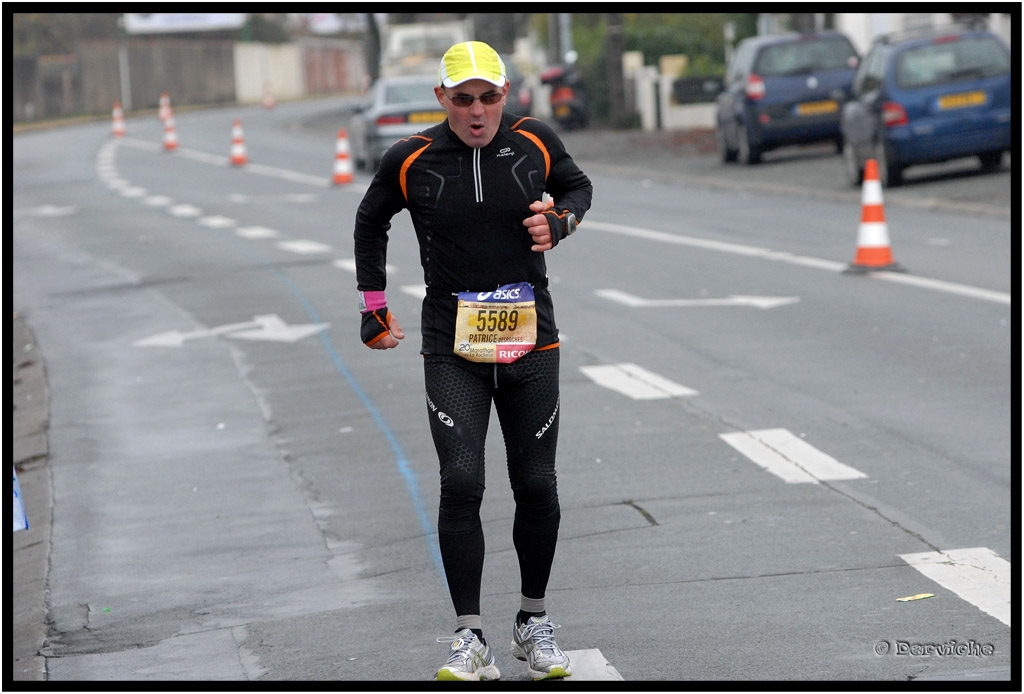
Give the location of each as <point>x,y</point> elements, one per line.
<point>496,327</point>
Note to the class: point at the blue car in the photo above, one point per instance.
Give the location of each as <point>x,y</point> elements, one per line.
<point>784,89</point>
<point>925,97</point>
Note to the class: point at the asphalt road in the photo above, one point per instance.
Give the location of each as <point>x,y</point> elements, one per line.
<point>163,602</point>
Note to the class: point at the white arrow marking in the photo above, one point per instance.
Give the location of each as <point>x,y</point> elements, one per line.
<point>267,327</point>
<point>633,301</point>
<point>273,329</point>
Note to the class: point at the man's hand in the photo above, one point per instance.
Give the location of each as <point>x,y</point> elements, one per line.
<point>539,228</point>
<point>380,329</point>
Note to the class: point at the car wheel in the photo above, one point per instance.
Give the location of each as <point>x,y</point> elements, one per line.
<point>990,161</point>
<point>748,153</point>
<point>889,175</point>
<point>727,155</point>
<point>854,171</point>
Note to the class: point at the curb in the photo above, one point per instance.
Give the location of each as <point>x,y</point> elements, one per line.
<point>31,547</point>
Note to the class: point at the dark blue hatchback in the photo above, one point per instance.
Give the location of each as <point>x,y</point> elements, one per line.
<point>783,90</point>
<point>929,96</point>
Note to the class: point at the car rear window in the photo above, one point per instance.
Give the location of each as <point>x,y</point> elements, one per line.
<point>952,60</point>
<point>408,93</point>
<point>805,55</point>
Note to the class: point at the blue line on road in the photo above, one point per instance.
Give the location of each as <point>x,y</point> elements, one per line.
<point>408,474</point>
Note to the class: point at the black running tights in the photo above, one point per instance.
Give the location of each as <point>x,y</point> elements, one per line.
<point>459,395</point>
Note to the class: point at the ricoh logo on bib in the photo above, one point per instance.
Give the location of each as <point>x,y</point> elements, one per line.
<point>506,354</point>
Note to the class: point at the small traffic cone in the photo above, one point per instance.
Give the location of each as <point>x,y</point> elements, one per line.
<point>268,97</point>
<point>873,252</point>
<point>170,134</point>
<point>117,126</point>
<point>342,163</point>
<point>165,107</point>
<point>238,155</point>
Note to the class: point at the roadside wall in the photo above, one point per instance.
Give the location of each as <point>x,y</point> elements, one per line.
<point>136,72</point>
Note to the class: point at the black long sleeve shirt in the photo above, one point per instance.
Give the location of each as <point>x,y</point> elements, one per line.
<point>467,206</point>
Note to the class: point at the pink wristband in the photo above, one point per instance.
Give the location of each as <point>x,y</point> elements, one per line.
<point>371,301</point>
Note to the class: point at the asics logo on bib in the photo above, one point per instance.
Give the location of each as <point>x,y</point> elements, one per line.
<point>500,295</point>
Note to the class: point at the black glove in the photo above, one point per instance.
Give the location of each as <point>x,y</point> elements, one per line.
<point>561,224</point>
<point>375,325</point>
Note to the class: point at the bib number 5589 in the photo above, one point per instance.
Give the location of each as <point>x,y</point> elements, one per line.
<point>497,320</point>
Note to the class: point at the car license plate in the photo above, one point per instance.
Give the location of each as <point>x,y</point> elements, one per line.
<point>426,117</point>
<point>962,100</point>
<point>561,111</point>
<point>816,108</point>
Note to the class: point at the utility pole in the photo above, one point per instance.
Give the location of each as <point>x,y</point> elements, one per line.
<point>613,70</point>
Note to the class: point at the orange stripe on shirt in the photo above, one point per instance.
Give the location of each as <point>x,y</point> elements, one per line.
<point>408,162</point>
<point>540,145</point>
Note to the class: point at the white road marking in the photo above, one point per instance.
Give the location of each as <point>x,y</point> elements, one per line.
<point>268,327</point>
<point>590,665</point>
<point>256,232</point>
<point>806,261</point>
<point>158,201</point>
<point>789,457</point>
<point>978,575</point>
<point>304,246</point>
<point>217,221</point>
<point>635,382</point>
<point>417,290</point>
<point>943,286</point>
<point>762,302</point>
<point>185,210</point>
<point>350,265</point>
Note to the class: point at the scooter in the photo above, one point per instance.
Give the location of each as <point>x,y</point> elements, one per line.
<point>568,96</point>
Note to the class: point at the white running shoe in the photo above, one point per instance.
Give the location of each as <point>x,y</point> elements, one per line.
<point>469,659</point>
<point>534,642</point>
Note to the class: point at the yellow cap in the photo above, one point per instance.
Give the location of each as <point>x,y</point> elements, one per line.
<point>471,60</point>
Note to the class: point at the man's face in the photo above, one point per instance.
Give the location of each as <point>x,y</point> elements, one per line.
<point>476,123</point>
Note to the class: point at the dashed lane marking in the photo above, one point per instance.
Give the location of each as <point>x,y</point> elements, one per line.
<point>635,382</point>
<point>977,574</point>
<point>789,457</point>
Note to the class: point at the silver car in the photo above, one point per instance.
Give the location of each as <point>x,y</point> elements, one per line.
<point>394,108</point>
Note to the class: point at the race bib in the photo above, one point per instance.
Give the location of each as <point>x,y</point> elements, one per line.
<point>496,327</point>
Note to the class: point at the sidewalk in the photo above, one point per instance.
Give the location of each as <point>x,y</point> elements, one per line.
<point>30,548</point>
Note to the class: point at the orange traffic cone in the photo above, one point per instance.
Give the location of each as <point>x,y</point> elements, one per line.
<point>342,163</point>
<point>873,252</point>
<point>238,155</point>
<point>117,127</point>
<point>165,107</point>
<point>170,134</point>
<point>268,97</point>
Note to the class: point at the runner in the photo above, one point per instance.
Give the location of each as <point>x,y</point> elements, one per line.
<point>476,187</point>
